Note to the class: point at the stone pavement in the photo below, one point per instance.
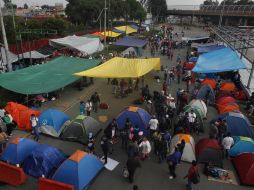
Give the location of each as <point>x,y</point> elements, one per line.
<point>152,175</point>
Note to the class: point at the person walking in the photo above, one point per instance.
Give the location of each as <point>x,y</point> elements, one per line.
<point>132,149</point>
<point>227,143</point>
<point>132,164</point>
<point>105,148</point>
<point>193,175</point>
<point>88,107</point>
<point>34,124</point>
<point>181,147</point>
<point>173,160</point>
<point>124,137</point>
<point>95,98</point>
<point>145,147</point>
<point>82,108</point>
<point>153,125</point>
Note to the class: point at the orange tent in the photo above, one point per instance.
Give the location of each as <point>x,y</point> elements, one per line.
<point>229,107</point>
<point>227,86</point>
<point>21,114</point>
<point>210,82</point>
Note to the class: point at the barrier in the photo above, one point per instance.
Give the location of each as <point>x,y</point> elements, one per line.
<point>47,184</point>
<point>12,175</point>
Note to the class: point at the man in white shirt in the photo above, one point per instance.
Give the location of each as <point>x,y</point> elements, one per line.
<point>34,124</point>
<point>192,119</point>
<point>227,143</point>
<point>153,125</point>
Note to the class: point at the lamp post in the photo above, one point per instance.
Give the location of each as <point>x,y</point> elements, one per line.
<point>221,14</point>
<point>9,65</point>
<point>105,24</point>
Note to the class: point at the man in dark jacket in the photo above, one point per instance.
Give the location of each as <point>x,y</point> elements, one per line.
<point>105,148</point>
<point>95,100</point>
<point>132,164</point>
<point>172,161</point>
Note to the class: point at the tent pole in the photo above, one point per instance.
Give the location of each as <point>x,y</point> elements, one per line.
<point>105,24</point>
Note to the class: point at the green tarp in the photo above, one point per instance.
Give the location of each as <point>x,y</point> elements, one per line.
<point>47,77</point>
<point>90,36</point>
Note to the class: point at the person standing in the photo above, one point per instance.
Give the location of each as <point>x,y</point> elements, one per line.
<point>7,119</point>
<point>193,175</point>
<point>82,108</point>
<point>105,148</point>
<point>34,124</point>
<point>192,120</point>
<point>88,107</point>
<point>227,143</point>
<point>95,100</point>
<point>173,160</point>
<point>114,84</point>
<point>153,125</point>
<point>145,147</point>
<point>124,136</point>
<point>181,147</point>
<point>132,164</point>
<point>90,144</point>
<point>178,72</point>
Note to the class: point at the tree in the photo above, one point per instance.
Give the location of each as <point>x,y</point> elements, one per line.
<point>211,2</point>
<point>9,5</point>
<point>158,8</point>
<point>26,6</point>
<point>244,2</point>
<point>228,2</point>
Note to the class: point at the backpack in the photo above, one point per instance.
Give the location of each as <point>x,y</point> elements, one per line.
<point>195,179</point>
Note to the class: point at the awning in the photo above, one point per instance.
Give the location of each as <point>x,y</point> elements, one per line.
<point>130,42</point>
<point>218,61</point>
<point>47,50</point>
<point>13,58</point>
<point>118,31</point>
<point>47,77</point>
<point>82,44</point>
<point>207,49</point>
<point>33,55</point>
<point>126,29</point>
<point>111,34</point>
<point>123,68</point>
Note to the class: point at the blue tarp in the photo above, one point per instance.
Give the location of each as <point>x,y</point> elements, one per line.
<point>193,59</point>
<point>241,145</point>
<point>51,122</point>
<point>44,160</point>
<point>130,42</point>
<point>218,61</point>
<point>16,153</point>
<point>139,118</point>
<point>211,48</point>
<point>134,26</point>
<point>79,174</point>
<point>238,124</point>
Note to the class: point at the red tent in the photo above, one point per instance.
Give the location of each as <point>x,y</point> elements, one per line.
<point>210,82</point>
<point>225,100</point>
<point>21,114</point>
<point>229,107</point>
<point>208,150</point>
<point>244,164</point>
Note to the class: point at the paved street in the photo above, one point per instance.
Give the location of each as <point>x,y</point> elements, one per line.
<point>152,175</point>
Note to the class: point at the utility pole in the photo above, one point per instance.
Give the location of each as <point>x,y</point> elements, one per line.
<point>105,24</point>
<point>9,65</point>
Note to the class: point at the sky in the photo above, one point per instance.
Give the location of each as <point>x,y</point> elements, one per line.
<point>52,2</point>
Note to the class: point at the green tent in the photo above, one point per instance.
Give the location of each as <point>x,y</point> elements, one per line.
<point>79,129</point>
<point>47,77</point>
<point>197,111</point>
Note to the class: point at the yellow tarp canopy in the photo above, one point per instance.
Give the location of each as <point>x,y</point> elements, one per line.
<point>111,34</point>
<point>123,68</point>
<point>127,29</point>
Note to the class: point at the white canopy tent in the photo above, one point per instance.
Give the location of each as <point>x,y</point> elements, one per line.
<point>82,44</point>
<point>3,63</point>
<point>33,55</point>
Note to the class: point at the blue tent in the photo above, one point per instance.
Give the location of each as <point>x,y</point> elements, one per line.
<point>242,145</point>
<point>211,48</point>
<point>78,170</point>
<point>18,150</point>
<point>218,61</point>
<point>193,59</point>
<point>130,42</point>
<point>238,124</point>
<point>203,91</point>
<point>51,122</point>
<point>43,160</point>
<point>137,116</point>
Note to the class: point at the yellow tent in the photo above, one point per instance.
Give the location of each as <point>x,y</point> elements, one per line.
<point>127,29</point>
<point>111,34</point>
<point>123,68</point>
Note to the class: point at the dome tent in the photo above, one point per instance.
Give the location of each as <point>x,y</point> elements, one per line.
<point>241,145</point>
<point>52,121</point>
<point>189,149</point>
<point>137,116</point>
<point>79,129</point>
<point>200,104</point>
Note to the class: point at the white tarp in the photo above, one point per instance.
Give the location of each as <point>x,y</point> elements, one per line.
<point>129,51</point>
<point>33,55</point>
<point>3,63</point>
<point>83,44</point>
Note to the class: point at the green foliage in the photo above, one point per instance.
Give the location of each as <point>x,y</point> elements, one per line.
<point>158,8</point>
<point>211,2</point>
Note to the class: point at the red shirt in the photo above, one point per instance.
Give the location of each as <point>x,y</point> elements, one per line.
<point>192,170</point>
